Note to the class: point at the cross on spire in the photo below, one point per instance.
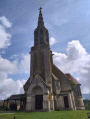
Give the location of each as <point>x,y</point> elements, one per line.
<point>40,18</point>
<point>40,8</point>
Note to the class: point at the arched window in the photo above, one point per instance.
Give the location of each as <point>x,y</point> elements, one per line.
<point>36,37</point>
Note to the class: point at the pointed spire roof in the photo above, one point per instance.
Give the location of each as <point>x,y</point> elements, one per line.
<point>40,18</point>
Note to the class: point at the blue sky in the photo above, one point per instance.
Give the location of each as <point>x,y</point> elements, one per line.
<point>68,22</point>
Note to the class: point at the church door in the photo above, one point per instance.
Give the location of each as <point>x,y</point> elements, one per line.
<point>66,102</point>
<point>39,102</point>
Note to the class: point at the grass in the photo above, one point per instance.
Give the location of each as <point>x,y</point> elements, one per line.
<point>80,114</point>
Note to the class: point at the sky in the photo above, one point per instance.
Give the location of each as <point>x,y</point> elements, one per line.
<point>68,23</point>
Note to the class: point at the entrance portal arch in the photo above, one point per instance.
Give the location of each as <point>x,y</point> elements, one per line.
<point>37,90</point>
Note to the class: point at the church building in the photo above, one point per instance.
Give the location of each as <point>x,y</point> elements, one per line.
<point>48,88</point>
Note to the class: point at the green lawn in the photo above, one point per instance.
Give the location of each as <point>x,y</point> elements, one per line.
<point>81,114</point>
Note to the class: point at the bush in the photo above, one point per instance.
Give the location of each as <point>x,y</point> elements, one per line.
<point>87,104</point>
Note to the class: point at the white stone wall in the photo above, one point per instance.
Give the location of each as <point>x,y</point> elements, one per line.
<point>80,104</point>
<point>37,87</point>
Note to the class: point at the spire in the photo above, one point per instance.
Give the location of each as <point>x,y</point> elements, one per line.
<point>40,18</point>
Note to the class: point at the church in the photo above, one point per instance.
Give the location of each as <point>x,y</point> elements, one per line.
<point>47,88</point>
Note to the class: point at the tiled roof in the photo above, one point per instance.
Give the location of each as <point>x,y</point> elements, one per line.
<point>18,96</point>
<point>72,78</point>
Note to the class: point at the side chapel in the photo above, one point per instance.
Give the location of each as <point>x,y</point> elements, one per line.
<point>48,88</point>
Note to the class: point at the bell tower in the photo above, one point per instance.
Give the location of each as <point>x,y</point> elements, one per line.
<point>41,56</point>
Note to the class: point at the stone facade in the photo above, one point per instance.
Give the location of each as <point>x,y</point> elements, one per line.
<point>48,88</point>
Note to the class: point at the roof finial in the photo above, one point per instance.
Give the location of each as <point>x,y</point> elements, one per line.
<point>40,9</point>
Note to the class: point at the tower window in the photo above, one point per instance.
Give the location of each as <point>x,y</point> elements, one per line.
<point>36,37</point>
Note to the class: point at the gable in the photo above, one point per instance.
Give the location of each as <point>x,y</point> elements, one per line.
<point>37,81</point>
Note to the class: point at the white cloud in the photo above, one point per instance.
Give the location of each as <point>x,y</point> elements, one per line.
<point>2,52</point>
<point>9,86</point>
<point>24,65</point>
<point>75,50</point>
<point>76,60</point>
<point>7,66</point>
<point>52,41</point>
<point>4,36</point>
<point>5,22</point>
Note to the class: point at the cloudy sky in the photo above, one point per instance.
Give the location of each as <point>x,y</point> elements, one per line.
<point>68,22</point>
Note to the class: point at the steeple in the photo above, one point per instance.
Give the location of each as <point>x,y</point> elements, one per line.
<point>41,35</point>
<point>40,18</point>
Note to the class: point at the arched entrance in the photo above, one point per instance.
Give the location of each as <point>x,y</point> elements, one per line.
<point>38,92</point>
